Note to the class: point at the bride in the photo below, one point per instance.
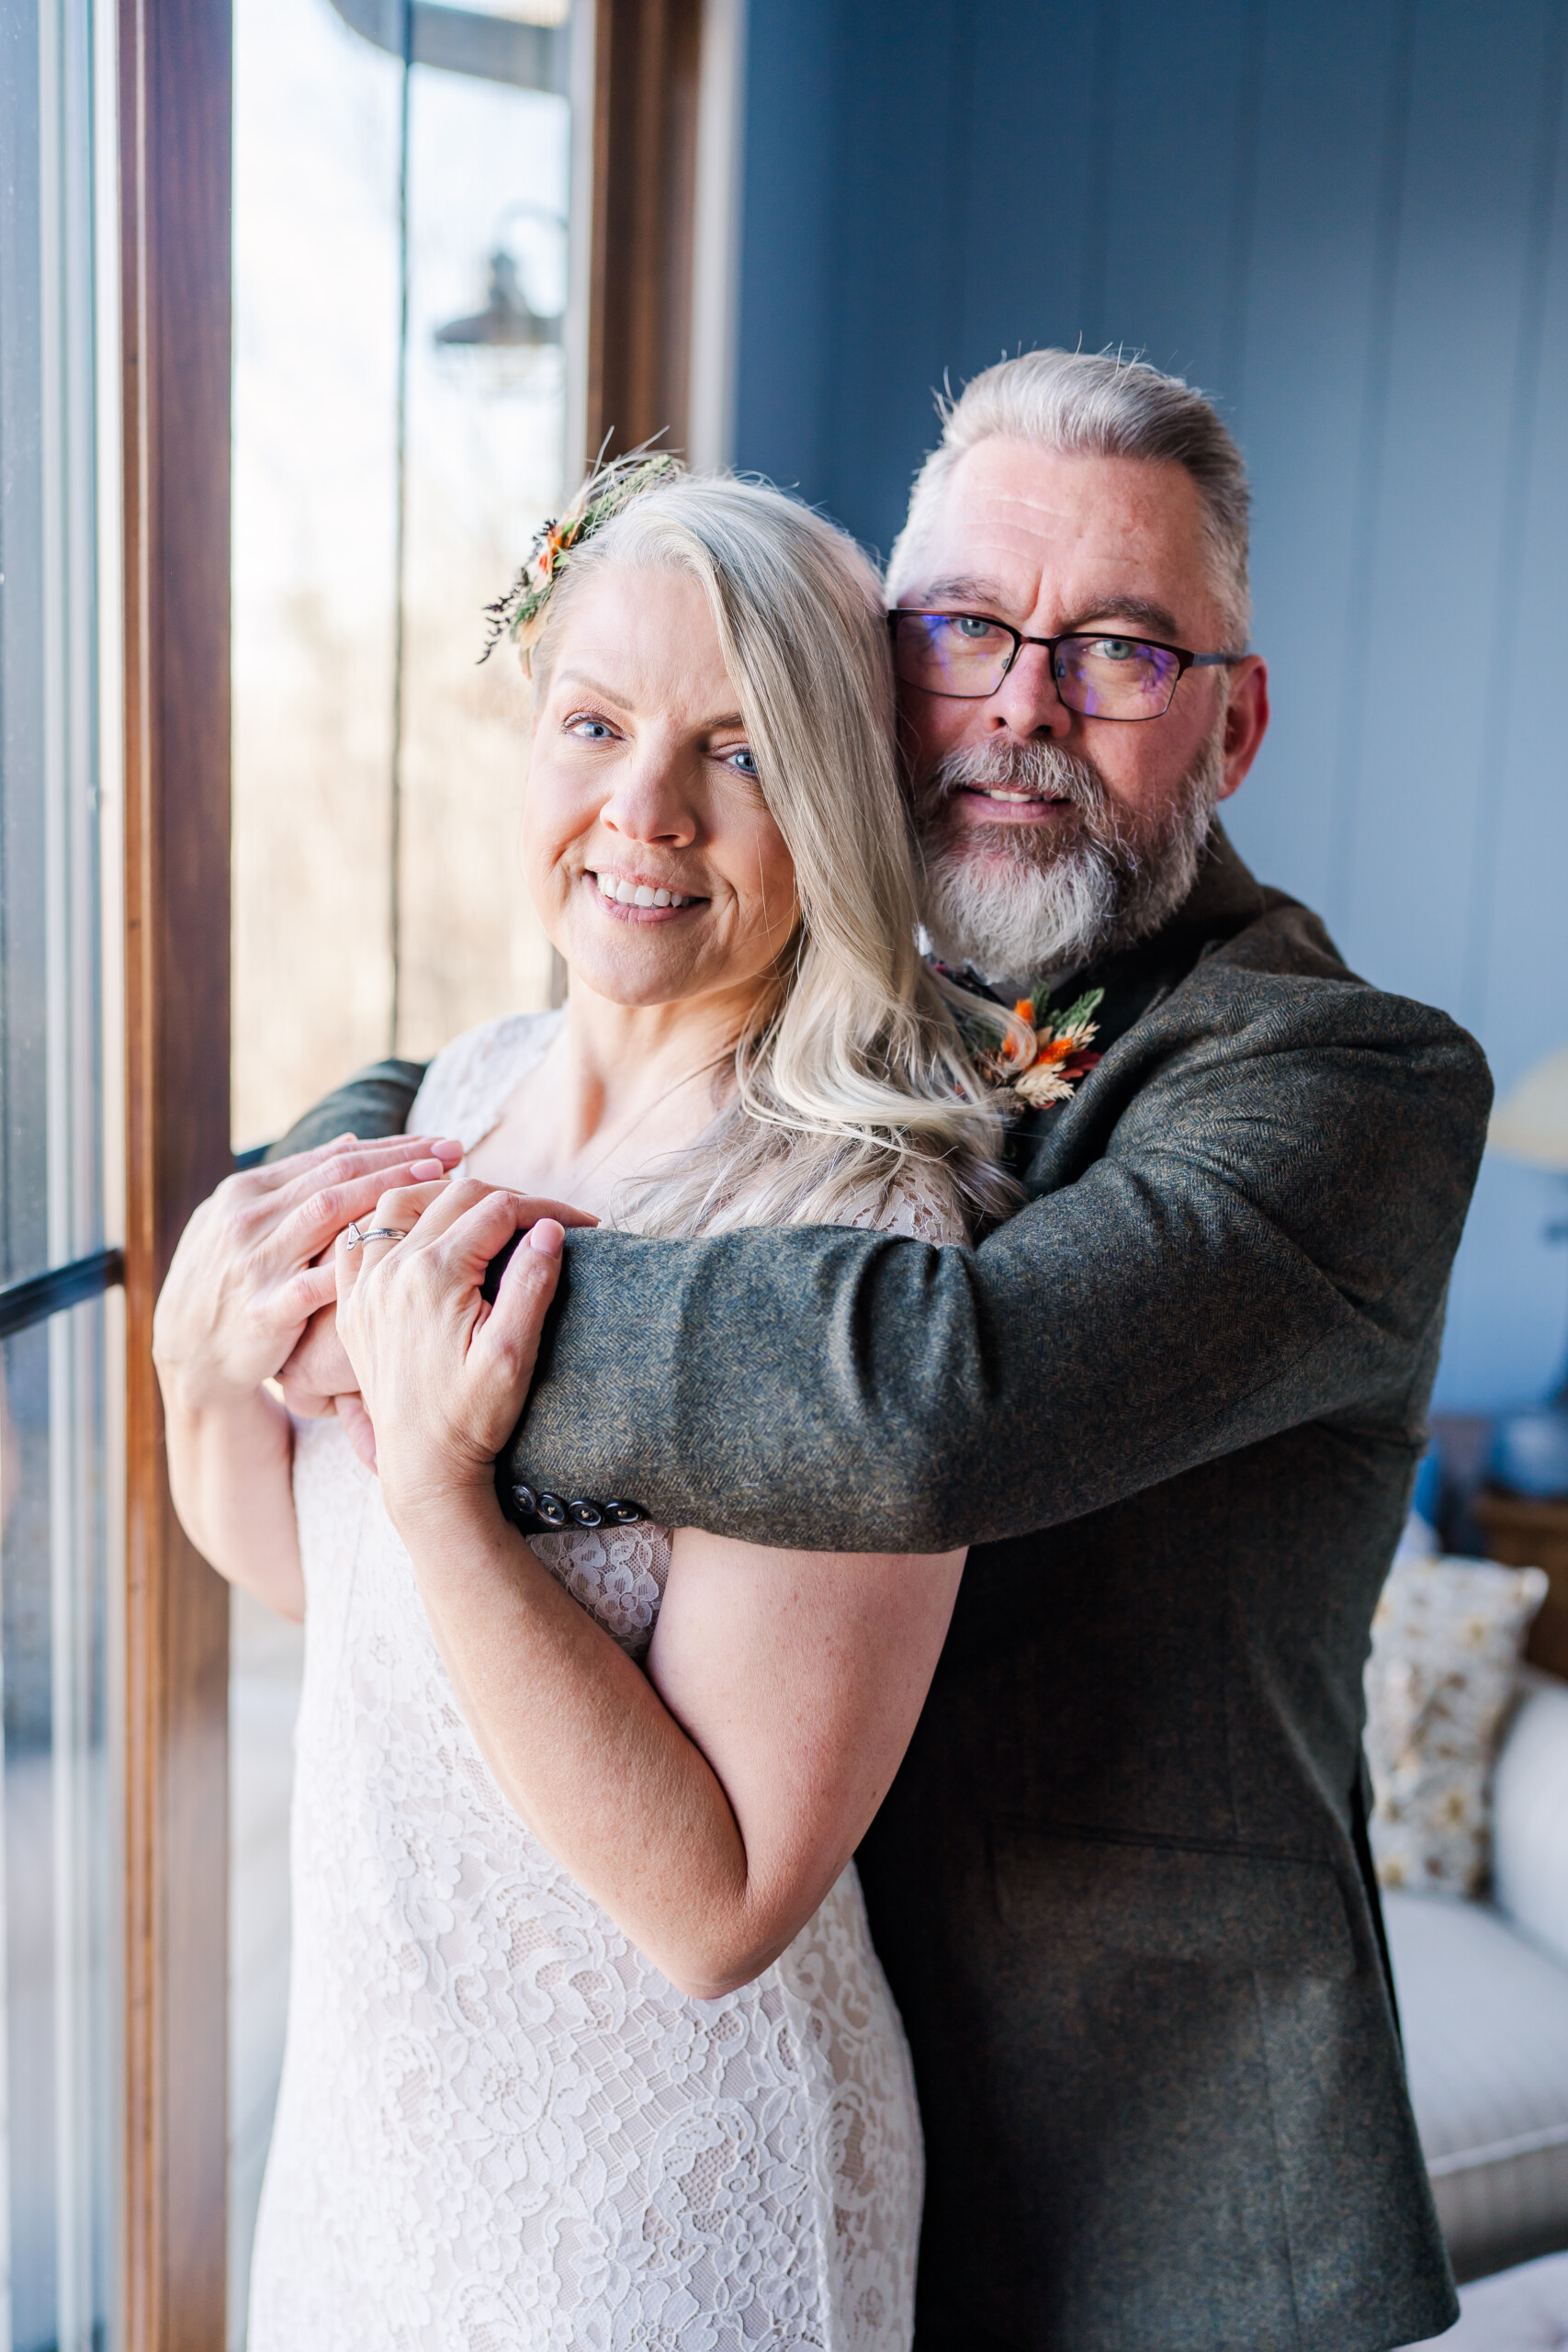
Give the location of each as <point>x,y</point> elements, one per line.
<point>586,2043</point>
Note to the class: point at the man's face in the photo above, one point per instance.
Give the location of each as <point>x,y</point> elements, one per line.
<point>1049,835</point>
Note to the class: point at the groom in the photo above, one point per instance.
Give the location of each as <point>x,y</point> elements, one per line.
<point>1122,1885</point>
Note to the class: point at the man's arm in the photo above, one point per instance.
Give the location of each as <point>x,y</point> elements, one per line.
<point>375,1101</point>
<point>1266,1241</point>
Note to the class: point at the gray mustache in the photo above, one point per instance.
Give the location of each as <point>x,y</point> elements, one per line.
<point>1041,768</point>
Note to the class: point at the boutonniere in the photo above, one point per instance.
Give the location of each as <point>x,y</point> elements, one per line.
<point>1045,1052</point>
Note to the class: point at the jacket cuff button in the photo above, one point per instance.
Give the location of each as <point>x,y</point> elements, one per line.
<point>623,1512</point>
<point>585,1511</point>
<point>526,1500</point>
<point>551,1509</point>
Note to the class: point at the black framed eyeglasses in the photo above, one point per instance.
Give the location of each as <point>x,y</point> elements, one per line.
<point>1098,672</point>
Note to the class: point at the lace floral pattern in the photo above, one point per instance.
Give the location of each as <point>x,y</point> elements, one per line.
<point>499,2126</point>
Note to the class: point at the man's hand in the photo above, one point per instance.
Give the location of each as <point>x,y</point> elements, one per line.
<point>319,1372</point>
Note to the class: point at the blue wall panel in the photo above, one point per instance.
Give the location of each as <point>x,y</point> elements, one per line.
<point>1349,224</point>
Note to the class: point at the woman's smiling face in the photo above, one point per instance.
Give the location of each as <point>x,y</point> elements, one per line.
<point>657,869</point>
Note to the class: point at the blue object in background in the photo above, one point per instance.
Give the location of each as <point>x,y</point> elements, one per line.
<point>1426,1495</point>
<point>1349,224</point>
<point>1529,1453</point>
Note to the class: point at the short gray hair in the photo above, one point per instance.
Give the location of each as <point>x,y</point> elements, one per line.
<point>1097,405</point>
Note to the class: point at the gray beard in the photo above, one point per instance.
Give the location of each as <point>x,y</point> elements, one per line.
<point>1017,903</point>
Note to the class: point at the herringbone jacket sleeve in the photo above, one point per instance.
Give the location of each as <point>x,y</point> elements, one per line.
<point>1245,1220</point>
<point>375,1101</point>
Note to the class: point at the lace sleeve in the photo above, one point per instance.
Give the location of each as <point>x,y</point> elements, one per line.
<point>912,1207</point>
<point>466,1088</point>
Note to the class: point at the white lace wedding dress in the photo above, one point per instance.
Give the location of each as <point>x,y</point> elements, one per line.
<point>500,2127</point>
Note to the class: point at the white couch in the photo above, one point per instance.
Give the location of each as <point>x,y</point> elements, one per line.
<point>1483,2001</point>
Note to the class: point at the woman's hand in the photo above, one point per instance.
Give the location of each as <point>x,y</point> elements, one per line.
<point>242,1284</point>
<point>444,1373</point>
<point>239,1292</point>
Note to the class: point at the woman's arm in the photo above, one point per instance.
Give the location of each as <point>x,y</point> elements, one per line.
<point>239,1290</point>
<point>711,1804</point>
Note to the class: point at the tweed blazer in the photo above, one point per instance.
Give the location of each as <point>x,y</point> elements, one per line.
<point>1120,1885</point>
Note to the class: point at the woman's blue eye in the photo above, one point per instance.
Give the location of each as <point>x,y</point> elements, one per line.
<point>580,725</point>
<point>742,761</point>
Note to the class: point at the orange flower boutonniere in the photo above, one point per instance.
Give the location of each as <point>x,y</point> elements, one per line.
<point>1044,1053</point>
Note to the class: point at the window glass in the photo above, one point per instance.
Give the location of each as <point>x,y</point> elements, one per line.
<point>379,904</point>
<point>399,408</point>
<point>58,1815</point>
<point>58,1801</point>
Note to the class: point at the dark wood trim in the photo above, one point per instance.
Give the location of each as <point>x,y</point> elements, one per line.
<point>647,56</point>
<point>1526,1531</point>
<point>175,178</point>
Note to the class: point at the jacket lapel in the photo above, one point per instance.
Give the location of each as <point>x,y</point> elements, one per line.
<point>1222,900</point>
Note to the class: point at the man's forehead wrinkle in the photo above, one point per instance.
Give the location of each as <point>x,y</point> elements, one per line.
<point>987,596</point>
<point>968,586</point>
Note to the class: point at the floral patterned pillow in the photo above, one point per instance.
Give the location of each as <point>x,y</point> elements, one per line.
<point>1446,1645</point>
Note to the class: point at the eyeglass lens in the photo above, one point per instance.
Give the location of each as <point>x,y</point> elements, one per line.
<point>1103,677</point>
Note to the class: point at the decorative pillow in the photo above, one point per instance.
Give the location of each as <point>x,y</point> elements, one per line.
<point>1446,1645</point>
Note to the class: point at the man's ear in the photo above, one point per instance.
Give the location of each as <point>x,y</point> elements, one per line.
<point>1247,720</point>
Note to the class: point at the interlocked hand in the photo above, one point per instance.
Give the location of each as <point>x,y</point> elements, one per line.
<point>244,1279</point>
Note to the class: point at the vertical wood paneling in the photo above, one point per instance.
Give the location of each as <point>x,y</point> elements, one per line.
<point>1031,251</point>
<point>1508,678</point>
<point>1441,481</point>
<point>897,248</point>
<point>796,92</point>
<point>1334,99</point>
<point>1350,224</point>
<point>1169,199</point>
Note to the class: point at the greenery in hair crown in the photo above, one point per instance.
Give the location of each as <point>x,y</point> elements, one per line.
<point>608,491</point>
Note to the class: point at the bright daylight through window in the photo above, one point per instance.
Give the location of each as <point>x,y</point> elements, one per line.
<point>60,1316</point>
<point>402,357</point>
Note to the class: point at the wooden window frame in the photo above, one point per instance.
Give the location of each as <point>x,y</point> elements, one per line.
<point>647,89</point>
<point>174,58</point>
<point>174,127</point>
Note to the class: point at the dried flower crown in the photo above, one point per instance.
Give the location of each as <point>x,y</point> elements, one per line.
<point>608,491</point>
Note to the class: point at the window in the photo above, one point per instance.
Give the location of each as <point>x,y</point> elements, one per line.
<point>403,347</point>
<point>60,1318</point>
<point>403,373</point>
<point>427,335</point>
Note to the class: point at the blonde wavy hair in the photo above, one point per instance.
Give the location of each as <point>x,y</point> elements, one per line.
<point>852,1078</point>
